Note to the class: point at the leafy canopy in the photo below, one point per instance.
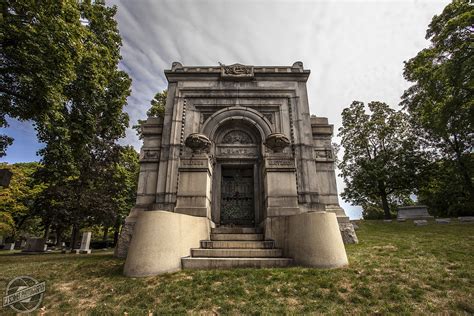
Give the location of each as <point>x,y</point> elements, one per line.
<point>380,159</point>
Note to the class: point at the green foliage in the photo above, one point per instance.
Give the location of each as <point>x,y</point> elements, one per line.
<point>441,101</point>
<point>381,160</point>
<point>157,109</point>
<point>158,104</point>
<point>61,72</point>
<point>16,201</point>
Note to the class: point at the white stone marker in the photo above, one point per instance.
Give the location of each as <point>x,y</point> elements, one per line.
<point>86,240</point>
<point>466,218</point>
<point>9,246</point>
<point>421,222</point>
<point>443,220</point>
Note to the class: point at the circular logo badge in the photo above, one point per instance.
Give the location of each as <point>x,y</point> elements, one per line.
<point>24,294</point>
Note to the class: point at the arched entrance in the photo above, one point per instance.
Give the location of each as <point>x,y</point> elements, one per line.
<point>237,185</point>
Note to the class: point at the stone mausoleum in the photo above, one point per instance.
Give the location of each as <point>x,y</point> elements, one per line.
<point>236,174</point>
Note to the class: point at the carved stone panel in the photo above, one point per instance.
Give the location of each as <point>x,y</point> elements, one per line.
<point>237,137</point>
<point>237,151</point>
<point>323,154</point>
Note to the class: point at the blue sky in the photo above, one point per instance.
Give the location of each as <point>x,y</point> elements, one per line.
<point>355,50</point>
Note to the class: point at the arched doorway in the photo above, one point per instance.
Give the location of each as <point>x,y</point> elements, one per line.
<point>237,185</point>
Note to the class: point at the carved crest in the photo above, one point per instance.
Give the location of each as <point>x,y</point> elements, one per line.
<point>237,137</point>
<point>198,143</point>
<point>277,142</point>
<point>236,71</point>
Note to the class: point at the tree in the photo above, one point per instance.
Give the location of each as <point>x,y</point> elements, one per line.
<point>380,160</point>
<point>41,43</point>
<point>17,215</point>
<point>81,134</point>
<point>158,104</point>
<point>440,101</point>
<point>157,109</point>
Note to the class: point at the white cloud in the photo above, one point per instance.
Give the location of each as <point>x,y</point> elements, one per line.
<point>355,49</point>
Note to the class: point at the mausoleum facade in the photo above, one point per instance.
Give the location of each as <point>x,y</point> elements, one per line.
<point>236,173</point>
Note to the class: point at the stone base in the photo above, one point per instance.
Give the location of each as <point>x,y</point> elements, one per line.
<point>82,251</point>
<point>312,239</point>
<point>161,239</point>
<point>348,233</point>
<point>125,237</point>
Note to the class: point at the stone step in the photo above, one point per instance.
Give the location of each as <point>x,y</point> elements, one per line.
<point>226,244</point>
<point>236,253</point>
<point>226,263</point>
<point>236,236</point>
<point>236,230</point>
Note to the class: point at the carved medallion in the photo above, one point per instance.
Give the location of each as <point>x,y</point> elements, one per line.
<point>277,142</point>
<point>237,137</point>
<point>198,143</point>
<point>236,71</point>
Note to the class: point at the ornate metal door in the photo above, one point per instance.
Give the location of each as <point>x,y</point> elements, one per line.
<point>237,196</point>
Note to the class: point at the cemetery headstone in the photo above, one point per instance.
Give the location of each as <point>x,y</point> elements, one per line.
<point>85,243</point>
<point>35,245</point>
<point>466,219</point>
<point>443,220</point>
<point>421,222</point>
<point>413,212</point>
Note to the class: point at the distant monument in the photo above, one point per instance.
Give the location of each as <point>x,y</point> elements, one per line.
<point>236,174</point>
<point>413,212</point>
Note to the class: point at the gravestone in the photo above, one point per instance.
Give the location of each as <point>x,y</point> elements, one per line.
<point>443,220</point>
<point>35,245</point>
<point>421,222</point>
<point>85,243</point>
<point>9,246</point>
<point>20,244</point>
<point>466,219</point>
<point>413,212</point>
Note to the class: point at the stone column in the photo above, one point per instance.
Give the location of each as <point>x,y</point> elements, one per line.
<point>281,196</point>
<point>194,180</point>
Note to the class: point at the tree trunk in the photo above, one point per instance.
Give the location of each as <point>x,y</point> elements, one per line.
<point>47,227</point>
<point>106,233</point>
<point>116,232</point>
<point>383,196</point>
<point>74,233</point>
<point>59,233</point>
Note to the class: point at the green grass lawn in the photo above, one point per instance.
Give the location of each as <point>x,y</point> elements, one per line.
<point>396,268</point>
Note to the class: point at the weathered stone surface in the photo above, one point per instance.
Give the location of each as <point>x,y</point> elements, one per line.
<point>125,237</point>
<point>35,245</point>
<point>237,146</point>
<point>348,233</point>
<point>413,212</point>
<point>443,220</point>
<point>421,222</point>
<point>466,219</point>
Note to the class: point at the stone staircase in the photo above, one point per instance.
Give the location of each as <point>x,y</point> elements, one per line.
<point>235,247</point>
